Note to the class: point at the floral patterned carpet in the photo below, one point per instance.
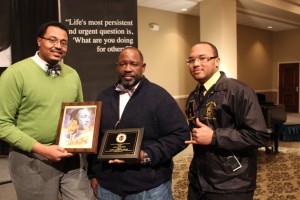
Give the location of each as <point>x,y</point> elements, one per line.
<point>278,176</point>
<point>179,180</point>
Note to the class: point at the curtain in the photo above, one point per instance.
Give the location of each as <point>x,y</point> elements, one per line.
<point>26,17</point>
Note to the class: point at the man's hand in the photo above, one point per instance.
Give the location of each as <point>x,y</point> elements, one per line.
<point>53,152</point>
<point>118,161</point>
<point>202,135</point>
<point>94,185</point>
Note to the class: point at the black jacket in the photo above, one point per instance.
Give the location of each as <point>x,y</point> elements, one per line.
<point>166,129</point>
<point>232,110</point>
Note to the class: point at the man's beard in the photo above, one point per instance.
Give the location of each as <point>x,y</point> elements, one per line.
<point>130,84</point>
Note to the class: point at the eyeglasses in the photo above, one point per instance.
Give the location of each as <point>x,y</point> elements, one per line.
<point>202,59</point>
<point>54,41</point>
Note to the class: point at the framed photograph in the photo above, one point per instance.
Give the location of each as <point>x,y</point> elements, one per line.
<point>123,144</point>
<point>78,128</point>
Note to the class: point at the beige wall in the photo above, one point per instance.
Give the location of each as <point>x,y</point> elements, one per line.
<point>286,48</point>
<point>260,52</point>
<point>255,57</point>
<point>166,50</point>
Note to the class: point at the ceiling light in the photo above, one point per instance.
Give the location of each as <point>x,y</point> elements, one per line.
<point>184,9</point>
<point>270,27</point>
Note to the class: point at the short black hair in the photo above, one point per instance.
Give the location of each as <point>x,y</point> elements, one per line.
<point>43,28</point>
<point>215,50</point>
<point>135,49</point>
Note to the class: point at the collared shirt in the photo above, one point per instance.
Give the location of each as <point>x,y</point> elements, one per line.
<point>36,58</point>
<point>210,82</point>
<point>124,98</point>
<point>72,137</point>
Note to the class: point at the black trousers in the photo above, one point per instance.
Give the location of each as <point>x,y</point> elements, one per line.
<point>196,194</point>
<point>4,148</point>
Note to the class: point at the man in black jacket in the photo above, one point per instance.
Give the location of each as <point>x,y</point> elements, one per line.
<point>227,128</point>
<point>135,102</point>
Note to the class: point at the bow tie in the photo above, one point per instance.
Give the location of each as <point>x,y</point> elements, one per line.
<point>121,89</point>
<point>53,70</point>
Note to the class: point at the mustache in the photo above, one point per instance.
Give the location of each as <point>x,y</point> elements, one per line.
<point>128,74</point>
<point>55,49</point>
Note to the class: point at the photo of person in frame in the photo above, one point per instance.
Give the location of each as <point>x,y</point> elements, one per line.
<point>73,130</point>
<point>5,35</point>
<point>83,117</point>
<point>78,128</point>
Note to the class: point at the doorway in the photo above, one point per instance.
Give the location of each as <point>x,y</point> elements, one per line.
<point>289,86</point>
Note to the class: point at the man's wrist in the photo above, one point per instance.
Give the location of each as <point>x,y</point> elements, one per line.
<point>214,141</point>
<point>146,160</point>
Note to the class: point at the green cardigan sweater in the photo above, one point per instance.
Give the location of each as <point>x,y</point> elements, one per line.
<point>30,102</point>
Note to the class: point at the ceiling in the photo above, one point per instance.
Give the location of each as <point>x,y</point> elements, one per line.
<point>280,14</point>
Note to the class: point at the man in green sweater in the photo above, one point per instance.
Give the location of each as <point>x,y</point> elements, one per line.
<point>32,92</point>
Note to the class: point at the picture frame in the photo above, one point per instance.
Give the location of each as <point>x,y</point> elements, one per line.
<point>123,144</point>
<point>78,128</point>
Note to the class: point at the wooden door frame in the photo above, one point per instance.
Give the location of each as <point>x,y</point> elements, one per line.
<point>278,75</point>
